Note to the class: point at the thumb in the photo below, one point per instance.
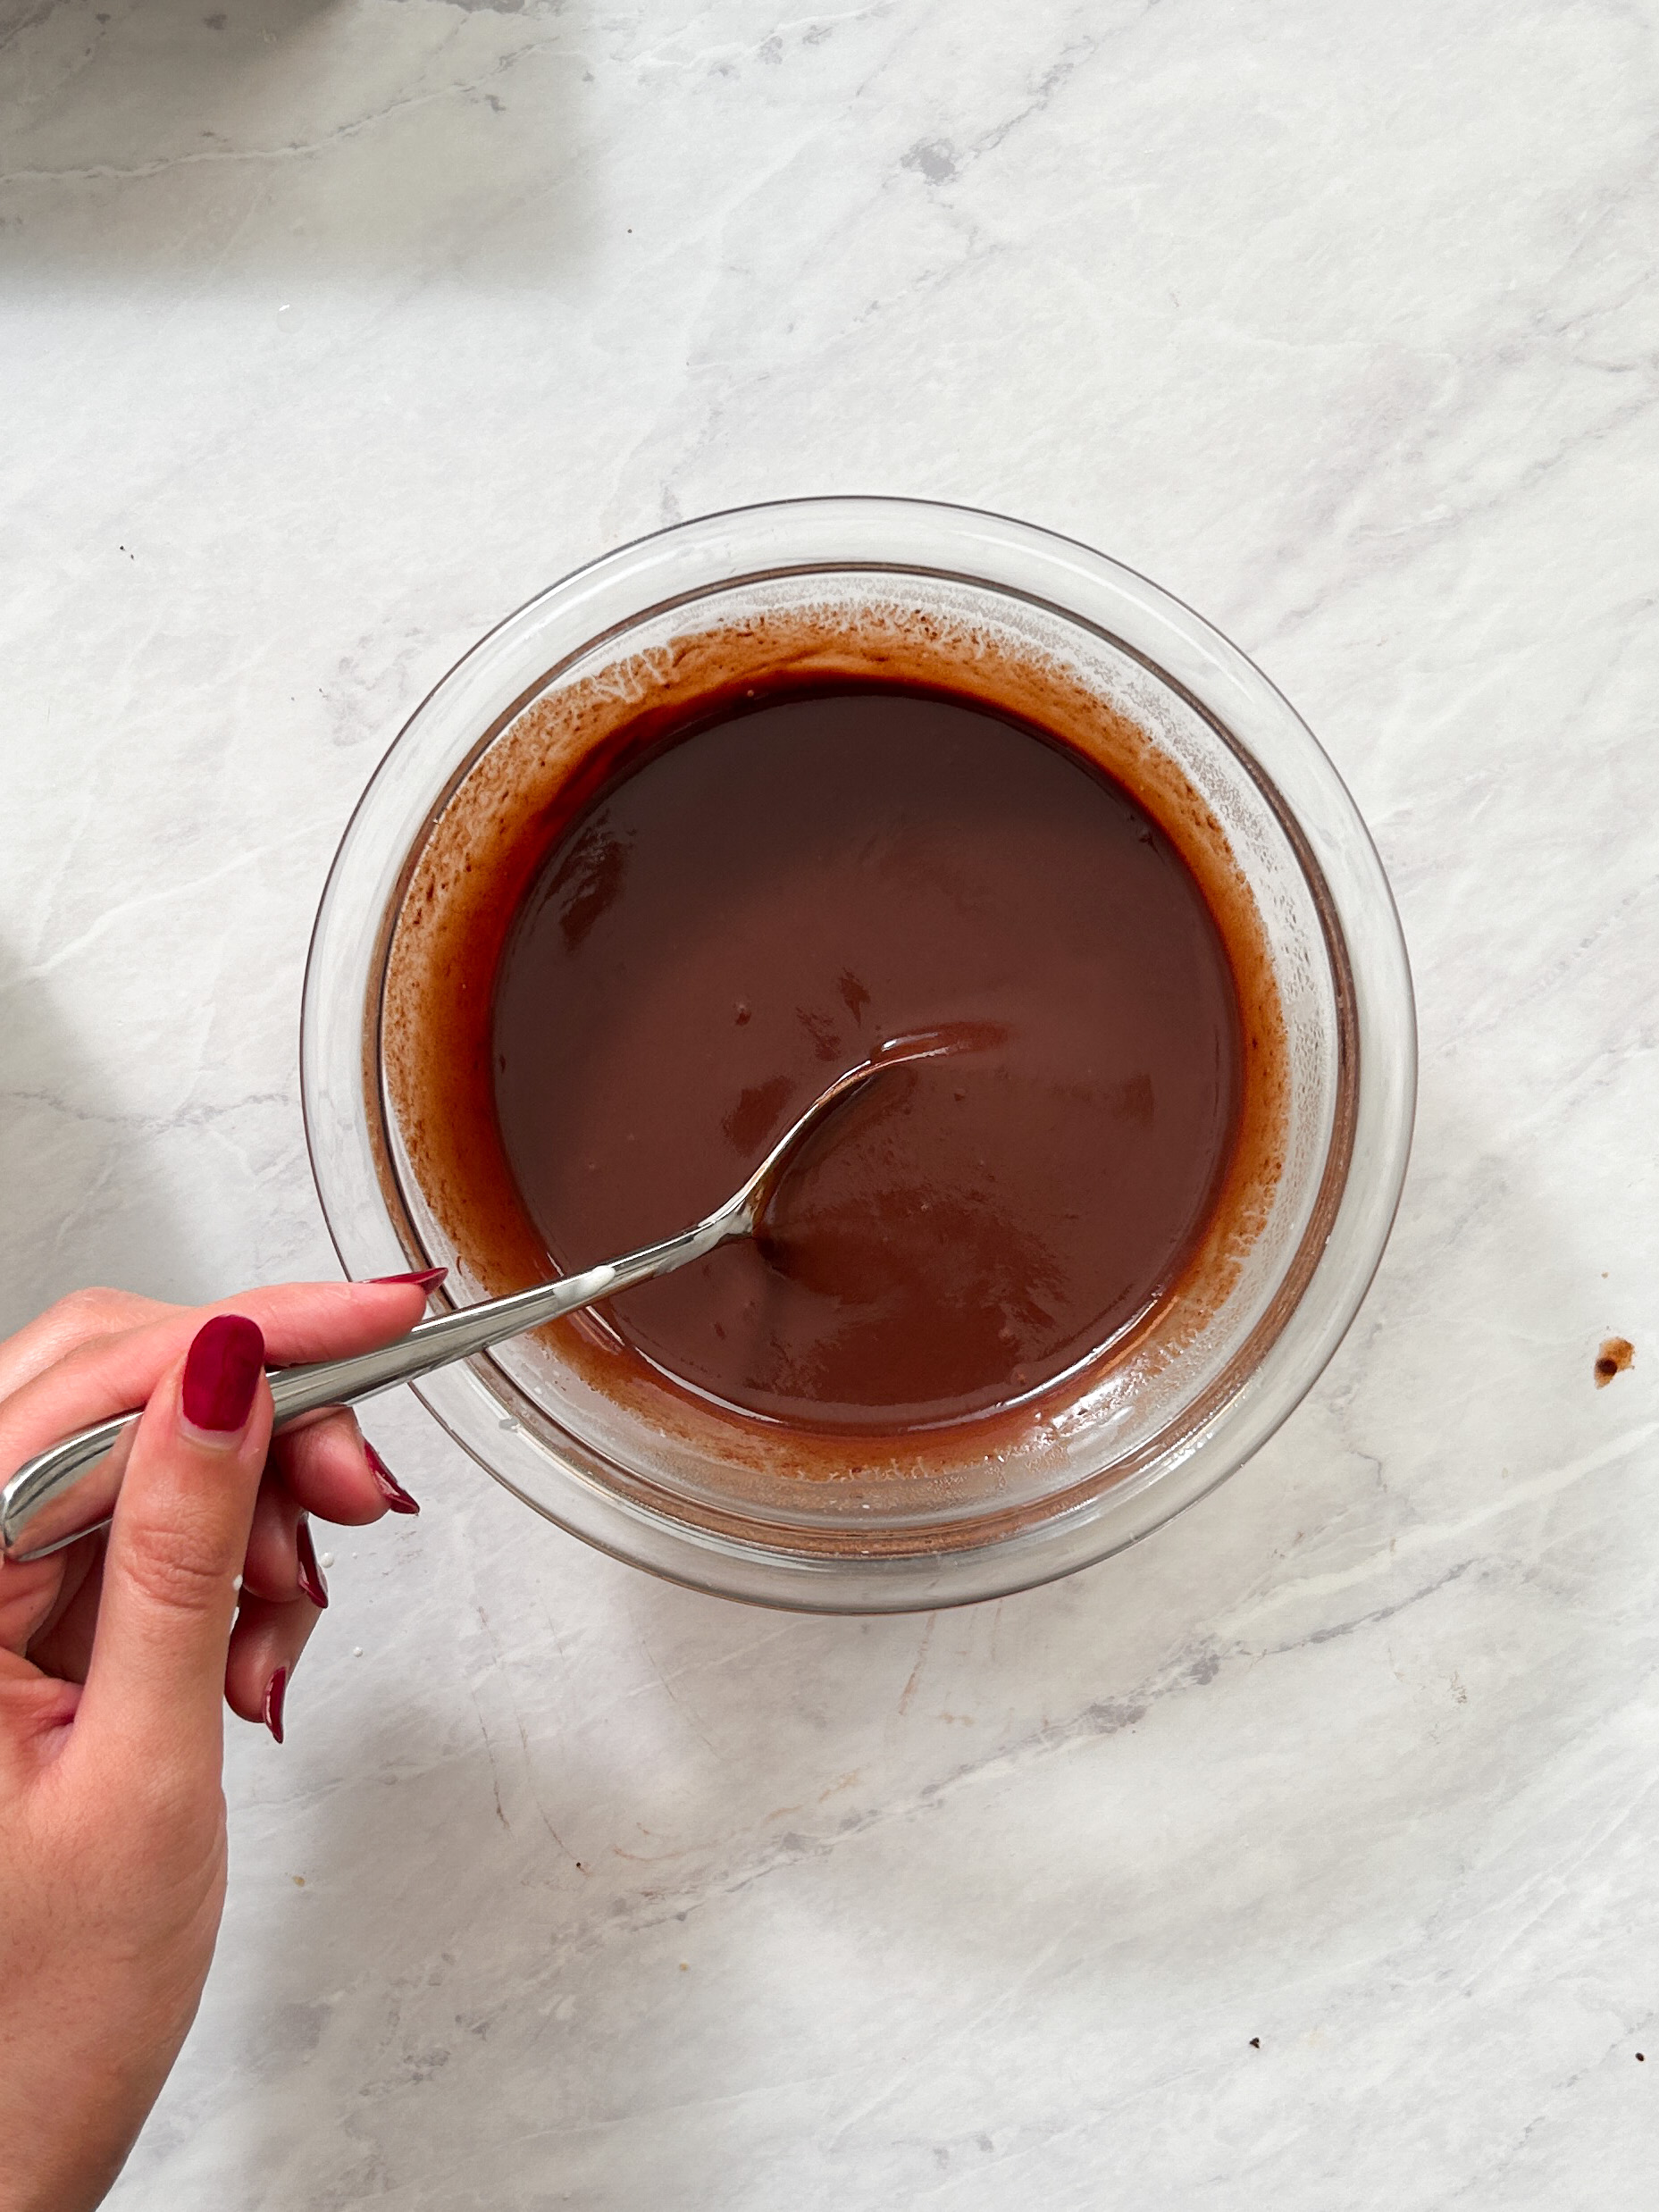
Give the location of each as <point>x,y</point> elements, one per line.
<point>176,1546</point>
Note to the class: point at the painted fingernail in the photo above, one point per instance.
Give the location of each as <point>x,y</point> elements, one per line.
<point>311,1580</point>
<point>221,1372</point>
<point>276,1690</point>
<point>387,1484</point>
<point>428,1278</point>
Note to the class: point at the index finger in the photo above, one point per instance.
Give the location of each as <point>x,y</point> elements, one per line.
<point>301,1321</point>
<point>84,1315</point>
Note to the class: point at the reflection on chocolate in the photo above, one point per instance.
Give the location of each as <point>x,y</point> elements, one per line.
<point>764,898</point>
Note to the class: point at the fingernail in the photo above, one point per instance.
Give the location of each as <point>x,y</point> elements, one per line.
<point>311,1580</point>
<point>428,1278</point>
<point>276,1690</point>
<point>387,1484</point>
<point>221,1372</point>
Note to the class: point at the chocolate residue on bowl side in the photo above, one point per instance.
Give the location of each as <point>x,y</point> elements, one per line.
<point>492,839</point>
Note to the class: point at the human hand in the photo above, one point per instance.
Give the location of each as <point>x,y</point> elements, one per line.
<point>114,1658</point>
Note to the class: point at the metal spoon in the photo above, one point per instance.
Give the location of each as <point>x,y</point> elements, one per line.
<point>70,1489</point>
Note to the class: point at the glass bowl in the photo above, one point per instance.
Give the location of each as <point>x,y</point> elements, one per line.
<point>994,1510</point>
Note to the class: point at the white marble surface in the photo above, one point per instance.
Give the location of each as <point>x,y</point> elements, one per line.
<point>330,330</point>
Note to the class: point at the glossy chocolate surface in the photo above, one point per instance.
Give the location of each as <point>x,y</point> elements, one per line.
<point>750,907</point>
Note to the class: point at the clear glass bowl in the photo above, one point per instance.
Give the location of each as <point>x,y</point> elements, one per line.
<point>1156,1430</point>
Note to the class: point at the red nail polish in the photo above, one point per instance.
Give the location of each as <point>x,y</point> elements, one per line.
<point>276,1690</point>
<point>428,1278</point>
<point>387,1484</point>
<point>311,1582</point>
<point>221,1372</point>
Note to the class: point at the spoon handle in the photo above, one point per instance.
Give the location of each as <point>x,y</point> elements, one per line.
<point>71,1489</point>
<point>68,1490</point>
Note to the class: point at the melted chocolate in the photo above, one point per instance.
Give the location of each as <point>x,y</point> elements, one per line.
<point>754,907</point>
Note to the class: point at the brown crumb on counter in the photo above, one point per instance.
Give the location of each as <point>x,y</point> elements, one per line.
<point>1616,1354</point>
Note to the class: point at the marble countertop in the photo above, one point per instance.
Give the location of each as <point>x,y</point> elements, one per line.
<point>1309,1855</point>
